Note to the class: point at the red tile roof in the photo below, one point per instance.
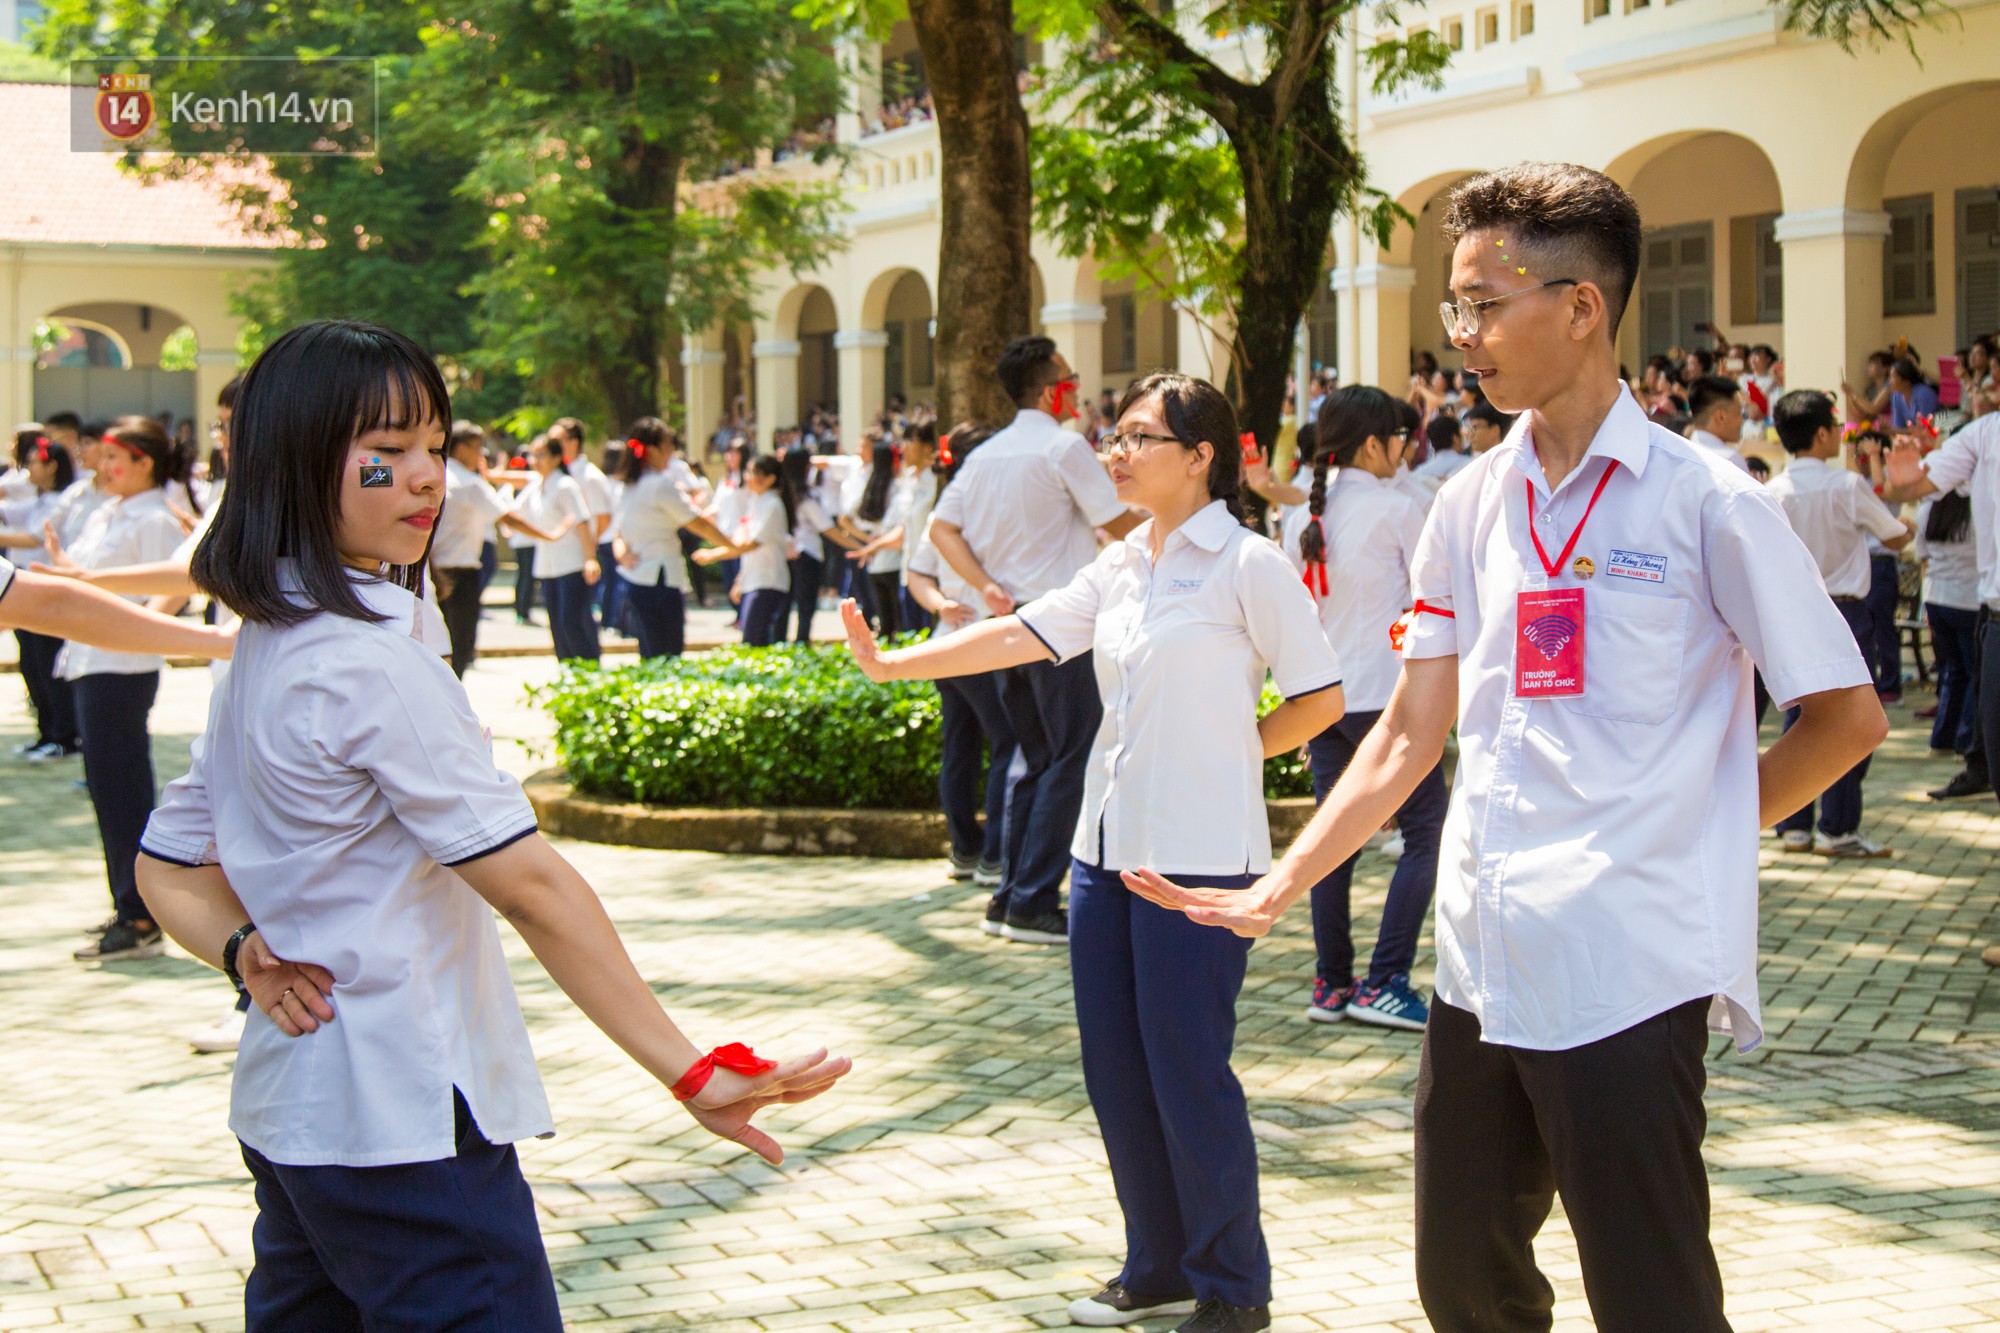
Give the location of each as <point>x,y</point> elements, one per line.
<point>51,195</point>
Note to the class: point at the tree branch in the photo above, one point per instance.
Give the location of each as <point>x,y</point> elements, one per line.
<point>1312,23</point>
<point>1220,96</point>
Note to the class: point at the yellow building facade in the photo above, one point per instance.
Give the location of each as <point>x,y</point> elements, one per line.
<point>1824,202</point>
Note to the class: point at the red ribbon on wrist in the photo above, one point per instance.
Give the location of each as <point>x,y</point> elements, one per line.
<point>735,1057</point>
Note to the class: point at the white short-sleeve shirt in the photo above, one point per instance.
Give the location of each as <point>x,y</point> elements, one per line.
<point>1951,569</point>
<point>471,508</point>
<point>1599,861</point>
<point>1971,458</point>
<point>548,506</point>
<point>767,568</point>
<point>342,773</point>
<point>651,514</point>
<point>137,530</point>
<point>1372,529</point>
<point>1028,502</point>
<point>595,485</point>
<point>1834,513</point>
<point>1180,650</point>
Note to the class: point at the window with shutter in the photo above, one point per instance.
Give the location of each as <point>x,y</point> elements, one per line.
<point>1909,260</point>
<point>1768,259</point>
<point>1978,263</point>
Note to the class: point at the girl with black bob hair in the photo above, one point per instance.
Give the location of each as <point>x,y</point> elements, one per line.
<point>339,849</point>
<point>1355,544</point>
<point>1183,619</point>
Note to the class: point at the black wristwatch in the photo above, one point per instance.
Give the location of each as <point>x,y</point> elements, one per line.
<point>229,952</point>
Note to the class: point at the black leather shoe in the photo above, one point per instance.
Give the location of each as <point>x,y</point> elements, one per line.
<point>1962,784</point>
<point>1222,1317</point>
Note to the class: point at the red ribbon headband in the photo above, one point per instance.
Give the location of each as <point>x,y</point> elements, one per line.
<point>735,1057</point>
<point>638,448</point>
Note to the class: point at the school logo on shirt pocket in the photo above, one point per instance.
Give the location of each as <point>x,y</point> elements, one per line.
<point>1184,585</point>
<point>1637,565</point>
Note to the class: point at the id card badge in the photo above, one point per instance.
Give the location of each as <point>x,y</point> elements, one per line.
<point>1548,644</point>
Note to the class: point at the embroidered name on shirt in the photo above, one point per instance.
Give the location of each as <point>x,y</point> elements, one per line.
<point>1636,565</point>
<point>1184,585</point>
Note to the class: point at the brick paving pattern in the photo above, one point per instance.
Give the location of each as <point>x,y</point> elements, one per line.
<point>956,1181</point>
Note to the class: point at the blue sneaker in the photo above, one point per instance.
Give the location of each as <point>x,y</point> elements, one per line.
<point>1329,1003</point>
<point>1391,1005</point>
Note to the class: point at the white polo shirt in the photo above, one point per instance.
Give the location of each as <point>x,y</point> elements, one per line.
<point>768,567</point>
<point>596,487</point>
<point>471,508</point>
<point>1599,861</point>
<point>1372,529</point>
<point>1834,512</point>
<point>1718,446</point>
<point>341,774</point>
<point>651,514</point>
<point>926,560</point>
<point>1442,466</point>
<point>1407,482</point>
<point>136,530</point>
<point>548,506</point>
<point>1180,651</point>
<point>1028,502</point>
<point>1971,457</point>
<point>1951,569</point>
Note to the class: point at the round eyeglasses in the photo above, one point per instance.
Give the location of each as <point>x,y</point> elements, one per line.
<point>1465,314</point>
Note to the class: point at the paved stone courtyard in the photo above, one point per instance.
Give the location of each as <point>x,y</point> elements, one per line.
<point>956,1180</point>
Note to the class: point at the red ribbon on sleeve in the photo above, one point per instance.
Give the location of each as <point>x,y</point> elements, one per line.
<point>735,1057</point>
<point>1409,618</point>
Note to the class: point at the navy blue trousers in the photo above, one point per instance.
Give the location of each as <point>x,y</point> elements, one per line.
<point>1840,806</point>
<point>524,581</point>
<point>806,575</point>
<point>1883,649</point>
<point>570,622</point>
<point>659,615</point>
<point>974,722</point>
<point>1955,639</point>
<point>762,614</point>
<point>112,711</point>
<point>1055,711</point>
<point>1156,1011</point>
<point>420,1248</point>
<point>53,698</point>
<point>1421,822</point>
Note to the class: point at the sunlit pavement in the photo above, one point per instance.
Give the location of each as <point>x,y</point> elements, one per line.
<point>956,1180</point>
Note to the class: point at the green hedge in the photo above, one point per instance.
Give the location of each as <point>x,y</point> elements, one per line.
<point>793,725</point>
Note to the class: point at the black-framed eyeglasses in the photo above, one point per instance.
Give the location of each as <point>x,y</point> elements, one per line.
<point>1126,443</point>
<point>1465,314</point>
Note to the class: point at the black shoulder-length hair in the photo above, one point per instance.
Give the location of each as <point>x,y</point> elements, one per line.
<point>301,405</point>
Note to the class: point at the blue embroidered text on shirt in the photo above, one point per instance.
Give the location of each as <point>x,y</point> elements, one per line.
<point>1636,565</point>
<point>1184,585</point>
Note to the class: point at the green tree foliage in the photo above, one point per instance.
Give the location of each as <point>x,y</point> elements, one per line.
<point>1214,189</point>
<point>525,213</point>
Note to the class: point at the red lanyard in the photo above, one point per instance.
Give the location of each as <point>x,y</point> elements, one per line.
<point>1550,567</point>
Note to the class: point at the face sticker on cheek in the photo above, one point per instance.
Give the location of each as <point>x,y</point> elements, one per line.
<point>376,474</point>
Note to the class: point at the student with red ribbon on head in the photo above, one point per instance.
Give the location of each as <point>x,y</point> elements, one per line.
<point>1590,597</point>
<point>1355,541</point>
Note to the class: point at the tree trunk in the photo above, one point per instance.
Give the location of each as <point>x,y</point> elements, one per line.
<point>644,183</point>
<point>1293,178</point>
<point>983,270</point>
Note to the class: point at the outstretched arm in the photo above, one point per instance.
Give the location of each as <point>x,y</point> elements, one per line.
<point>987,646</point>
<point>65,609</point>
<point>547,901</point>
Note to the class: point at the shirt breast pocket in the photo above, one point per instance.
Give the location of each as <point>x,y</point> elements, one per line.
<point>1632,651</point>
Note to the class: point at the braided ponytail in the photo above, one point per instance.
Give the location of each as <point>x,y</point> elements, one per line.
<point>1347,419</point>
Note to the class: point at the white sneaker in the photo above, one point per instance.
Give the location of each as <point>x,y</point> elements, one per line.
<point>1798,840</point>
<point>1393,849</point>
<point>222,1035</point>
<point>1851,847</point>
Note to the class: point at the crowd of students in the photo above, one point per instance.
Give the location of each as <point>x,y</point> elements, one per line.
<point>1522,553</point>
